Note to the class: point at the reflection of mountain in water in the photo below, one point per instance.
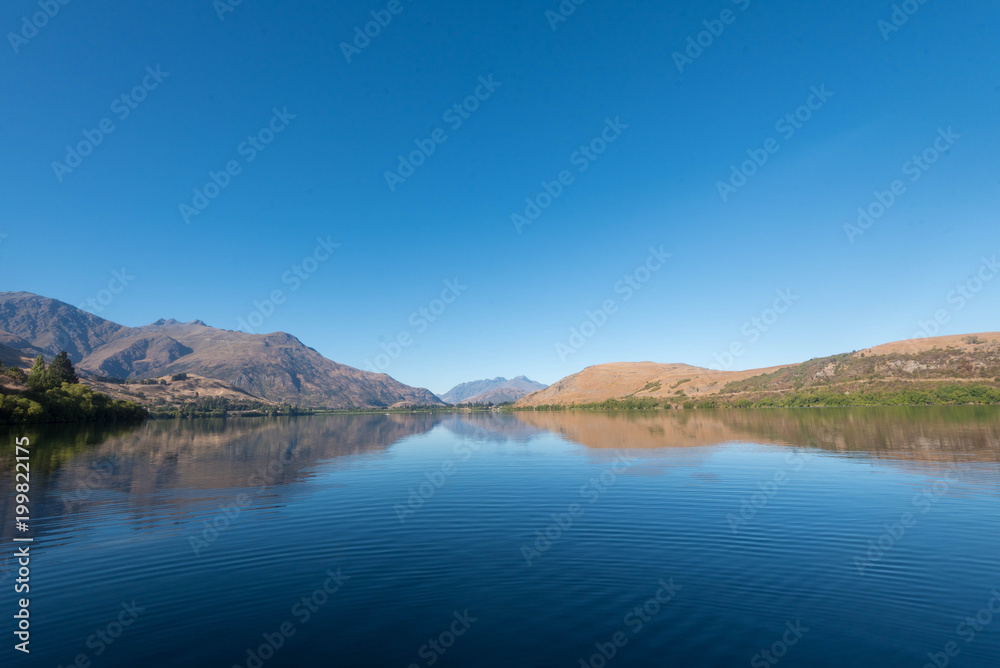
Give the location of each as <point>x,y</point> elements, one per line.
<point>200,461</point>
<point>74,468</point>
<point>490,427</point>
<point>952,433</point>
<point>215,453</point>
<point>76,465</point>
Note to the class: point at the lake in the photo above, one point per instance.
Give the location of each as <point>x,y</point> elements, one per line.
<point>823,537</point>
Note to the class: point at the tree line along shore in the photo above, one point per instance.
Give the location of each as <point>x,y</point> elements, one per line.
<point>53,393</point>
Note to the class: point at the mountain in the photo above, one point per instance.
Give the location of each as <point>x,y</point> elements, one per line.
<point>10,356</point>
<point>491,391</point>
<point>275,367</point>
<point>915,364</point>
<point>640,379</point>
<point>49,325</point>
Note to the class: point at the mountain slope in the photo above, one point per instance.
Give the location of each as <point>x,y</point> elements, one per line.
<point>10,356</point>
<point>639,379</point>
<point>897,365</point>
<point>496,390</point>
<point>51,325</point>
<point>172,393</point>
<point>276,367</point>
<point>967,357</point>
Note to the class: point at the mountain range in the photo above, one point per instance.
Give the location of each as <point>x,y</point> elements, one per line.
<point>492,391</point>
<point>278,368</point>
<point>914,364</point>
<point>275,367</point>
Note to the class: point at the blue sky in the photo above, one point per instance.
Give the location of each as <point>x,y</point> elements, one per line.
<point>675,133</point>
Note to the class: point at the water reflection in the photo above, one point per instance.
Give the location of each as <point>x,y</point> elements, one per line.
<point>921,434</point>
<point>72,463</point>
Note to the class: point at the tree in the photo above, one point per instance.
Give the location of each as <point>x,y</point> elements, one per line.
<point>12,372</point>
<point>38,378</point>
<point>61,370</point>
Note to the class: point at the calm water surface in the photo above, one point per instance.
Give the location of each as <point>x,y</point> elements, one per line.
<point>705,538</point>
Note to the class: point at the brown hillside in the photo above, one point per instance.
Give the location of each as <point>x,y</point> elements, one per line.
<point>174,392</point>
<point>640,379</point>
<point>275,367</point>
<point>960,357</point>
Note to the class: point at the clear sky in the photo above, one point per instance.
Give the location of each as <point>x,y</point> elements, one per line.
<point>660,131</point>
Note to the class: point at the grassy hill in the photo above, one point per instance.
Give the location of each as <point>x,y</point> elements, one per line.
<point>942,370</point>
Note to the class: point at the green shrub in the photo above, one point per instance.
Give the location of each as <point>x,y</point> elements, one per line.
<point>68,403</point>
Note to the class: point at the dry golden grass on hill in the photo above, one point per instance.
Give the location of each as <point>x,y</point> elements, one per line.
<point>661,381</point>
<point>639,379</point>
<point>965,342</point>
<point>174,392</point>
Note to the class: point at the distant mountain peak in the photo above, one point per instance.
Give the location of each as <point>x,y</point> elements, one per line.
<point>497,390</point>
<point>173,322</point>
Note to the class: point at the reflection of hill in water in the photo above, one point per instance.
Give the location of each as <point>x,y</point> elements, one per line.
<point>639,429</point>
<point>215,453</point>
<point>75,467</point>
<point>939,434</point>
<point>921,434</point>
<point>490,427</point>
<point>223,454</point>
